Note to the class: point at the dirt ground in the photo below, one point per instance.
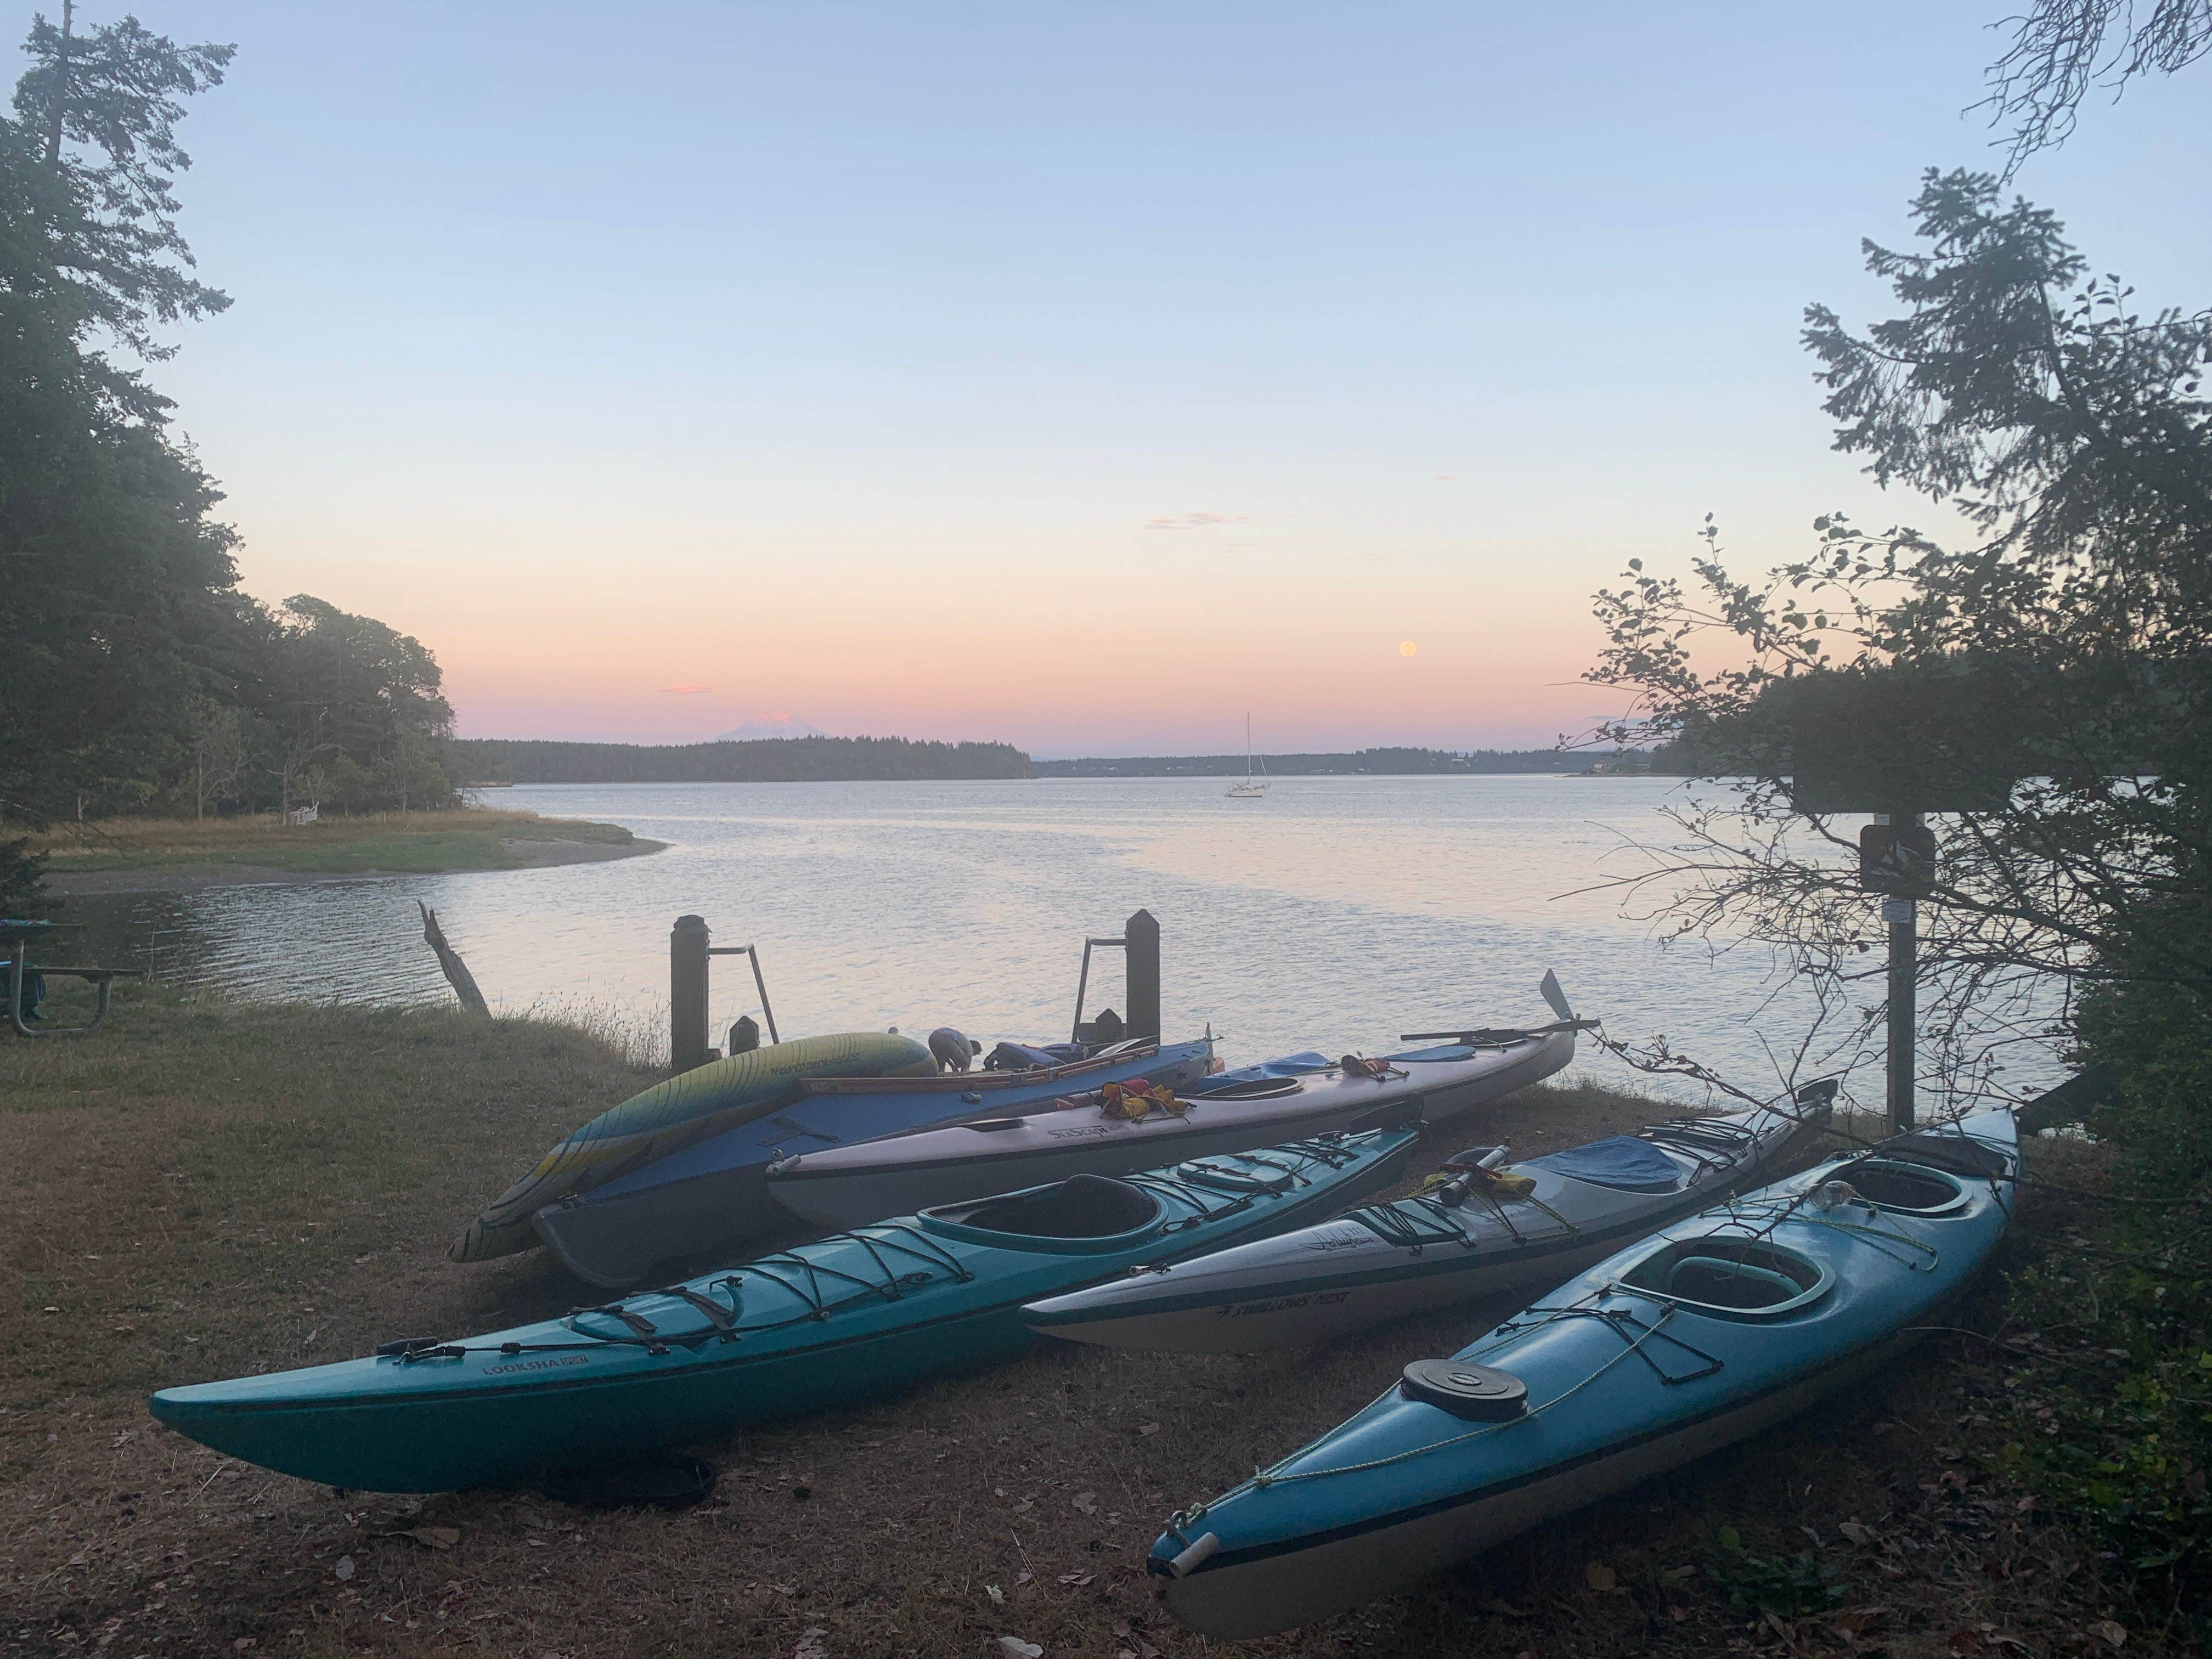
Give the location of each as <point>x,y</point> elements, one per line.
<point>208,1191</point>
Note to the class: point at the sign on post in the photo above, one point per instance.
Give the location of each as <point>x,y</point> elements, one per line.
<point>1898,859</point>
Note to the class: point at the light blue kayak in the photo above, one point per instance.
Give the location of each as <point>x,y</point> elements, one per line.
<point>841,1319</point>
<point>1703,1333</point>
<point>713,1197</point>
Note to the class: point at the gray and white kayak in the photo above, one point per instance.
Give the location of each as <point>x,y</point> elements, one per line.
<point>851,1186</point>
<point>1509,1228</point>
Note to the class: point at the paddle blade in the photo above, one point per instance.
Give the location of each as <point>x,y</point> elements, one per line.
<point>1555,996</point>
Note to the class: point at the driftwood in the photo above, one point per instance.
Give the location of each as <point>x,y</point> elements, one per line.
<point>457,971</point>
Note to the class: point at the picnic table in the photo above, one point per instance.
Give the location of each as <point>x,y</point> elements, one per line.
<point>27,983</point>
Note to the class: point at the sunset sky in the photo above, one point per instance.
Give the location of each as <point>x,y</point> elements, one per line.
<point>1077,375</point>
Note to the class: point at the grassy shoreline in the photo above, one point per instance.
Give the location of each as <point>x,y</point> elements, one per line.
<point>206,1189</point>
<point>415,843</point>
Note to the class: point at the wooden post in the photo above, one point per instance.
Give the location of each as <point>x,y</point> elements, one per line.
<point>687,993</point>
<point>1143,975</point>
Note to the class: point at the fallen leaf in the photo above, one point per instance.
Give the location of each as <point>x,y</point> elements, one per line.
<point>1148,1428</point>
<point>998,1596</point>
<point>1949,1453</point>
<point>2112,1631</point>
<point>1859,1620</point>
<point>1075,1578</point>
<point>1014,1648</point>
<point>1600,1578</point>
<point>430,1537</point>
<point>1679,1615</point>
<point>811,1645</point>
<point>1963,1641</point>
<point>344,1568</point>
<point>1859,1534</point>
<point>1086,1502</point>
<point>1023,1578</point>
<point>1503,1609</point>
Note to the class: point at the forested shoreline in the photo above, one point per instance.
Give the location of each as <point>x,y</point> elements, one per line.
<point>1401,762</point>
<point>496,761</point>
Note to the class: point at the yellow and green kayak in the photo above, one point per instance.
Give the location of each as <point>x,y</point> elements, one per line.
<point>671,1116</point>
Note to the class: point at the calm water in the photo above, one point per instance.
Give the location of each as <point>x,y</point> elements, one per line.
<point>1336,913</point>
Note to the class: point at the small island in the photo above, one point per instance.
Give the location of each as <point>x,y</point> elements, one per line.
<point>124,855</point>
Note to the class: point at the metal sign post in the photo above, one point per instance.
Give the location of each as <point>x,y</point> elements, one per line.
<point>1904,1010</point>
<point>1897,858</point>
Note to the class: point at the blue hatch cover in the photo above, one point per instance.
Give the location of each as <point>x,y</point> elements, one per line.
<point>1621,1161</point>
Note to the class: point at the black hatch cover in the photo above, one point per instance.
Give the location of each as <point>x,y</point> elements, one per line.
<point>1480,1393</point>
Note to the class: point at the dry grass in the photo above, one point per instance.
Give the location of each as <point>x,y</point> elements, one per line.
<point>206,1191</point>
<point>470,838</point>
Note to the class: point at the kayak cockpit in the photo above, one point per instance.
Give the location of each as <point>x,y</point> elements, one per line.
<point>1084,1212</point>
<point>1903,1189</point>
<point>1731,1277</point>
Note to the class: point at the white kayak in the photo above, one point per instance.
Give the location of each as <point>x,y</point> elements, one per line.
<point>1487,1233</point>
<point>851,1186</point>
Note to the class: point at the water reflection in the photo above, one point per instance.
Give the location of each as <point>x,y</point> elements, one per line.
<point>1335,911</point>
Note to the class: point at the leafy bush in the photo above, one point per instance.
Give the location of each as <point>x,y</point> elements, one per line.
<point>2113,1424</point>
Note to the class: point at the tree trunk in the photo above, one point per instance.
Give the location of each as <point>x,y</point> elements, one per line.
<point>61,90</point>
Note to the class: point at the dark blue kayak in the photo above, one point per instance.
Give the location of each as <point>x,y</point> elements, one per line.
<point>715,1195</point>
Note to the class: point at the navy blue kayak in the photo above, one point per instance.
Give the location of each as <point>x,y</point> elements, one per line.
<point>824,1324</point>
<point>714,1195</point>
<point>1705,1332</point>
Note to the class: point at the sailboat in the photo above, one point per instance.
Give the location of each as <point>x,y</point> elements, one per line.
<point>1251,787</point>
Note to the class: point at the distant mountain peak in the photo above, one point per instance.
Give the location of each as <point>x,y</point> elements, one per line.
<point>757,726</point>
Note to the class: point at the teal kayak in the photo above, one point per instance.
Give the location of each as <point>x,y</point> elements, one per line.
<point>827,1324</point>
<point>1701,1334</point>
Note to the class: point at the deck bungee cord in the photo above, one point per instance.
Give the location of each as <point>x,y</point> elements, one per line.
<point>1711,1145</point>
<point>1772,1213</point>
<point>1332,1152</point>
<point>804,1284</point>
<point>1399,1224</point>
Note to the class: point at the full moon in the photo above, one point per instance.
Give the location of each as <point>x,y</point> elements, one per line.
<point>1404,647</point>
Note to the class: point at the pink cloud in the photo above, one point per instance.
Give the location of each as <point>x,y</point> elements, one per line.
<point>684,690</point>
<point>1192,520</point>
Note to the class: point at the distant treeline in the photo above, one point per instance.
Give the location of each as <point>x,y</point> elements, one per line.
<point>768,760</point>
<point>1399,762</point>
